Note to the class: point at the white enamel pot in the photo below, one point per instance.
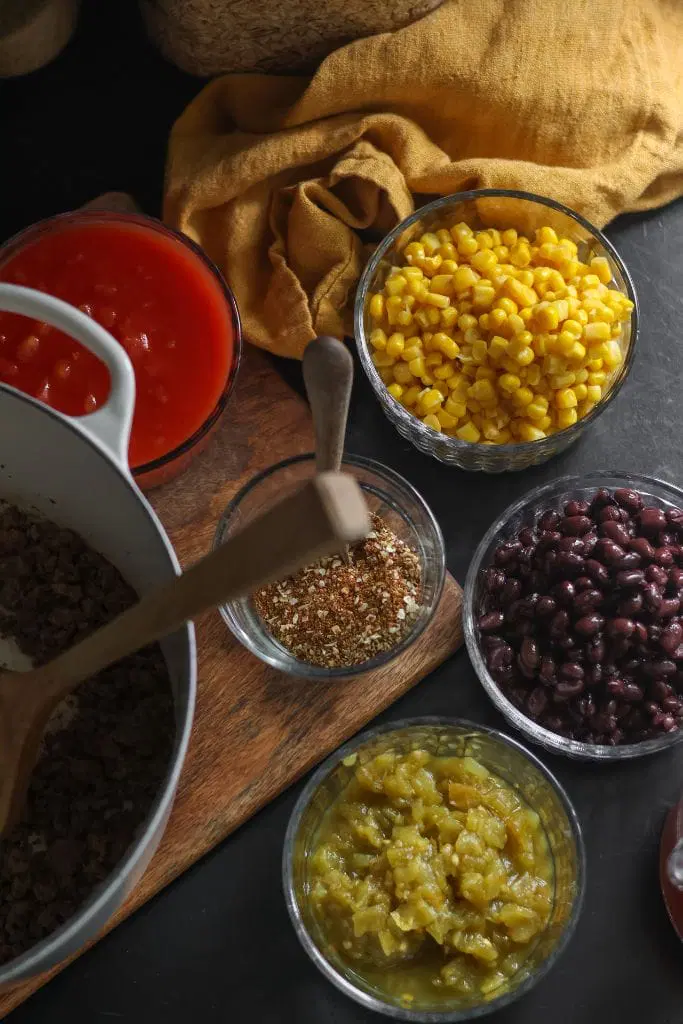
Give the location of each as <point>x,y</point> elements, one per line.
<point>75,471</point>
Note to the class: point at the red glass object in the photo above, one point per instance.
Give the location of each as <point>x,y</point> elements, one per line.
<point>163,301</point>
<point>671,866</point>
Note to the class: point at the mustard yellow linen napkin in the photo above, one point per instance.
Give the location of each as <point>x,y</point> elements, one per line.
<point>580,100</point>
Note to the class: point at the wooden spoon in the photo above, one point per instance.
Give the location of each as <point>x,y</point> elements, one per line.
<point>319,520</point>
<point>328,376</point>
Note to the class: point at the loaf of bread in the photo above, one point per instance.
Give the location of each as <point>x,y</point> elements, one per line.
<point>209,37</point>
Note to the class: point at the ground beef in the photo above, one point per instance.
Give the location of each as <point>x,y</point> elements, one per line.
<point>106,748</point>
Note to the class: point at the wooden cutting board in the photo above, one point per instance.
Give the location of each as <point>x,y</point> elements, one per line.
<point>279,726</point>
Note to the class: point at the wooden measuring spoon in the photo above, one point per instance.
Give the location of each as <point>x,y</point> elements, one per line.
<point>319,520</point>
<point>328,376</point>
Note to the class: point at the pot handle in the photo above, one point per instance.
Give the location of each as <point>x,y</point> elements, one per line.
<point>110,425</point>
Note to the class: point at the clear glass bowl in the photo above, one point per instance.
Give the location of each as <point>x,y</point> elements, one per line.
<point>160,470</point>
<point>500,208</point>
<point>513,519</point>
<point>500,754</point>
<point>389,496</point>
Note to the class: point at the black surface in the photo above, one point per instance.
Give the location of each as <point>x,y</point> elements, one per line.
<point>217,945</point>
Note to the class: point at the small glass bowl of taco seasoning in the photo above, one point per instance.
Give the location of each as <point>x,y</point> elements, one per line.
<point>338,618</point>
<point>160,297</point>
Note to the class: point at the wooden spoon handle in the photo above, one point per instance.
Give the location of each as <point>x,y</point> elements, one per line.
<point>320,519</point>
<point>328,375</point>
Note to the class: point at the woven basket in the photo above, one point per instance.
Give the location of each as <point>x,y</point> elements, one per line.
<point>209,37</point>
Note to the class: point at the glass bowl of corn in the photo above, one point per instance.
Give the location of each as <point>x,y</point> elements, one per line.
<point>495,326</point>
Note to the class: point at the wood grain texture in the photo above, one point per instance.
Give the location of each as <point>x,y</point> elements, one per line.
<point>281,726</point>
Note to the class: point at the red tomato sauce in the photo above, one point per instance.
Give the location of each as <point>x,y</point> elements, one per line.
<point>155,296</point>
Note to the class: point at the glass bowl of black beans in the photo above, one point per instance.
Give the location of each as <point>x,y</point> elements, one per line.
<point>573,615</point>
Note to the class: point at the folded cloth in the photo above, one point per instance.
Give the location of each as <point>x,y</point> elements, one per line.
<point>276,176</point>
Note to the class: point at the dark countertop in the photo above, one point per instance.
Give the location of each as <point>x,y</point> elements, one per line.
<point>97,119</point>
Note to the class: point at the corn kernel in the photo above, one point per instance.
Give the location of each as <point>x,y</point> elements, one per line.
<point>479,351</point>
<point>448,253</point>
<point>443,372</point>
<point>483,296</point>
<point>417,366</point>
<point>442,284</point>
<point>559,381</point>
<point>580,376</point>
<point>466,320</point>
<point>495,319</point>
<point>467,246</point>
<point>546,317</point>
<point>566,418</point>
<point>464,278</point>
<point>395,285</point>
<point>468,432</point>
<point>546,234</point>
<point>395,390</point>
<point>378,339</point>
<point>395,345</point>
<point>522,294</point>
<point>448,266</point>
<point>455,408</point>
<point>526,314</point>
<point>593,365</point>
<point>429,400</point>
<point>565,399</point>
<point>482,391</point>
<point>448,318</point>
<point>533,375</point>
<point>402,374</point>
<point>509,236</point>
<point>598,378</point>
<point>597,331</point>
<point>440,301</point>
<point>441,386</point>
<point>497,347</point>
<point>581,392</point>
<point>525,356</point>
<point>520,255</point>
<point>444,343</point>
<point>516,325</point>
<point>577,353</point>
<point>412,351</point>
<point>410,396</point>
<point>509,382</point>
<point>376,306</point>
<point>485,373</point>
<point>593,393</point>
<point>461,230</point>
<point>433,359</point>
<point>611,354</point>
<point>446,421</point>
<point>430,420</point>
<point>430,243</point>
<point>537,409</point>
<point>529,432</point>
<point>523,396</point>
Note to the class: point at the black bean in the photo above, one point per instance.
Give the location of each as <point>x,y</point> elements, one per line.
<point>671,637</point>
<point>657,574</point>
<point>587,601</point>
<point>536,702</point>
<point>567,689</point>
<point>582,583</point>
<point>664,557</point>
<point>659,669</point>
<point>510,592</point>
<point>573,544</point>
<point>506,554</point>
<point>608,552</point>
<point>549,520</point>
<point>601,498</point>
<point>559,624</point>
<point>675,517</point>
<point>569,563</point>
<point>630,579</point>
<point>548,541</point>
<point>632,693</point>
<point>628,499</point>
<point>499,657</point>
<point>546,606</point>
<point>529,656</point>
<point>641,634</point>
<point>673,705</point>
<point>676,577</point>
<point>490,622</point>
<point>666,538</point>
<point>616,687</point>
<point>589,625</point>
<point>576,508</point>
<point>596,570</point>
<point>667,607</point>
<point>547,669</point>
<point>620,627</point>
<point>564,592</point>
<point>642,547</point>
<point>616,532</point>
<point>652,596</point>
<point>630,561</point>
<point>609,513</point>
<point>595,653</point>
<point>574,526</point>
<point>651,520</point>
<point>494,580</point>
<point>589,541</point>
<point>526,537</point>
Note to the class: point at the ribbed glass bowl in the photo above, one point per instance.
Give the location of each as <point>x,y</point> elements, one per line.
<point>387,495</point>
<point>502,209</point>
<point>524,513</point>
<point>504,757</point>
